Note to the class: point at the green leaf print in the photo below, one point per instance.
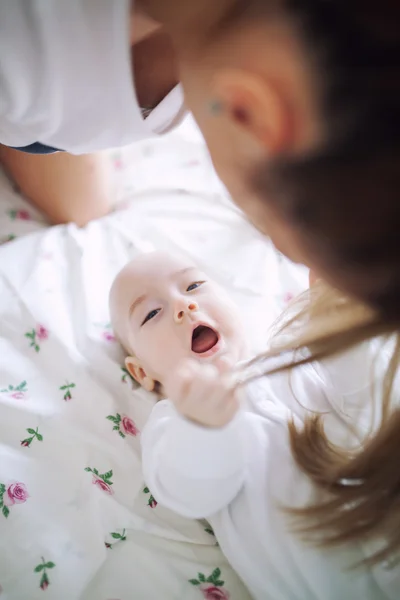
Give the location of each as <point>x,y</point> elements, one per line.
<point>117,420</point>
<point>119,536</point>
<point>39,568</point>
<point>125,375</point>
<point>42,568</point>
<point>6,511</point>
<point>31,335</point>
<point>212,579</point>
<point>151,501</point>
<point>34,435</point>
<point>67,387</point>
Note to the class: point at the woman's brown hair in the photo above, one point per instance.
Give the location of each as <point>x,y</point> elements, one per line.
<point>343,202</point>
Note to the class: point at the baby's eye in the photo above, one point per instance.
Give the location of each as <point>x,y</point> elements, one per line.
<point>151,315</point>
<point>194,285</point>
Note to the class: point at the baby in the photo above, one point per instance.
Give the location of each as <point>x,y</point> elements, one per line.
<point>204,453</point>
<point>174,322</point>
<point>207,455</point>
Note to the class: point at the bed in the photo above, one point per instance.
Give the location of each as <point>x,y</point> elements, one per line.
<point>77,521</point>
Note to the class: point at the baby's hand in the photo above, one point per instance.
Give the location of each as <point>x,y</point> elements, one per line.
<point>204,393</point>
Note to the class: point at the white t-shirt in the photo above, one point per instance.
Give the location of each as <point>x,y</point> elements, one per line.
<point>66,77</point>
<point>240,476</point>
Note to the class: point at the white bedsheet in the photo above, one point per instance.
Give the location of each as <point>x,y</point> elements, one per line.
<point>76,518</point>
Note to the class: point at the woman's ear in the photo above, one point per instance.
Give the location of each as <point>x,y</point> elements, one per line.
<point>139,374</point>
<point>258,106</point>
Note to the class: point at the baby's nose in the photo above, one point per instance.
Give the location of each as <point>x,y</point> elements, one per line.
<point>180,310</point>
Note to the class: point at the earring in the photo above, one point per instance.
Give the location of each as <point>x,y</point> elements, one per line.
<point>215,107</point>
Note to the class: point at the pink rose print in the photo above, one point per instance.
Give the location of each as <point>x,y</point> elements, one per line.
<point>124,425</point>
<point>288,297</point>
<point>102,480</point>
<point>42,333</point>
<point>102,485</point>
<point>43,568</point>
<point>212,586</point>
<point>16,493</point>
<point>210,592</point>
<point>18,392</point>
<point>22,215</point>
<point>108,336</point>
<point>128,426</point>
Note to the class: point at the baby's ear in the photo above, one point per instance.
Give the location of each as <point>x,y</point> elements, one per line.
<point>139,374</point>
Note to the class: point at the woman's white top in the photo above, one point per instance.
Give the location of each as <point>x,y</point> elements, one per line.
<point>241,476</point>
<point>66,77</point>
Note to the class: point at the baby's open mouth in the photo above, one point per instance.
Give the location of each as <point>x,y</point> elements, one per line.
<point>203,339</point>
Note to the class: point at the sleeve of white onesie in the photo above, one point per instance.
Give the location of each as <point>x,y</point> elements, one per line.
<point>193,470</point>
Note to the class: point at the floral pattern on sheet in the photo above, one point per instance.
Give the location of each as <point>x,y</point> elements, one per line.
<point>126,376</point>
<point>102,480</point>
<point>124,425</point>
<point>42,568</point>
<point>151,501</point>
<point>18,392</point>
<point>119,537</point>
<point>66,388</point>
<point>7,238</point>
<point>40,334</point>
<point>212,587</point>
<point>34,435</point>
<point>11,494</point>
<point>20,214</point>
<point>106,331</point>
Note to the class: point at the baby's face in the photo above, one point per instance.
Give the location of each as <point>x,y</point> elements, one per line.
<point>165,309</point>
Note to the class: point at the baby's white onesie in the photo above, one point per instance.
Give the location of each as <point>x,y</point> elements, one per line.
<point>241,477</point>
